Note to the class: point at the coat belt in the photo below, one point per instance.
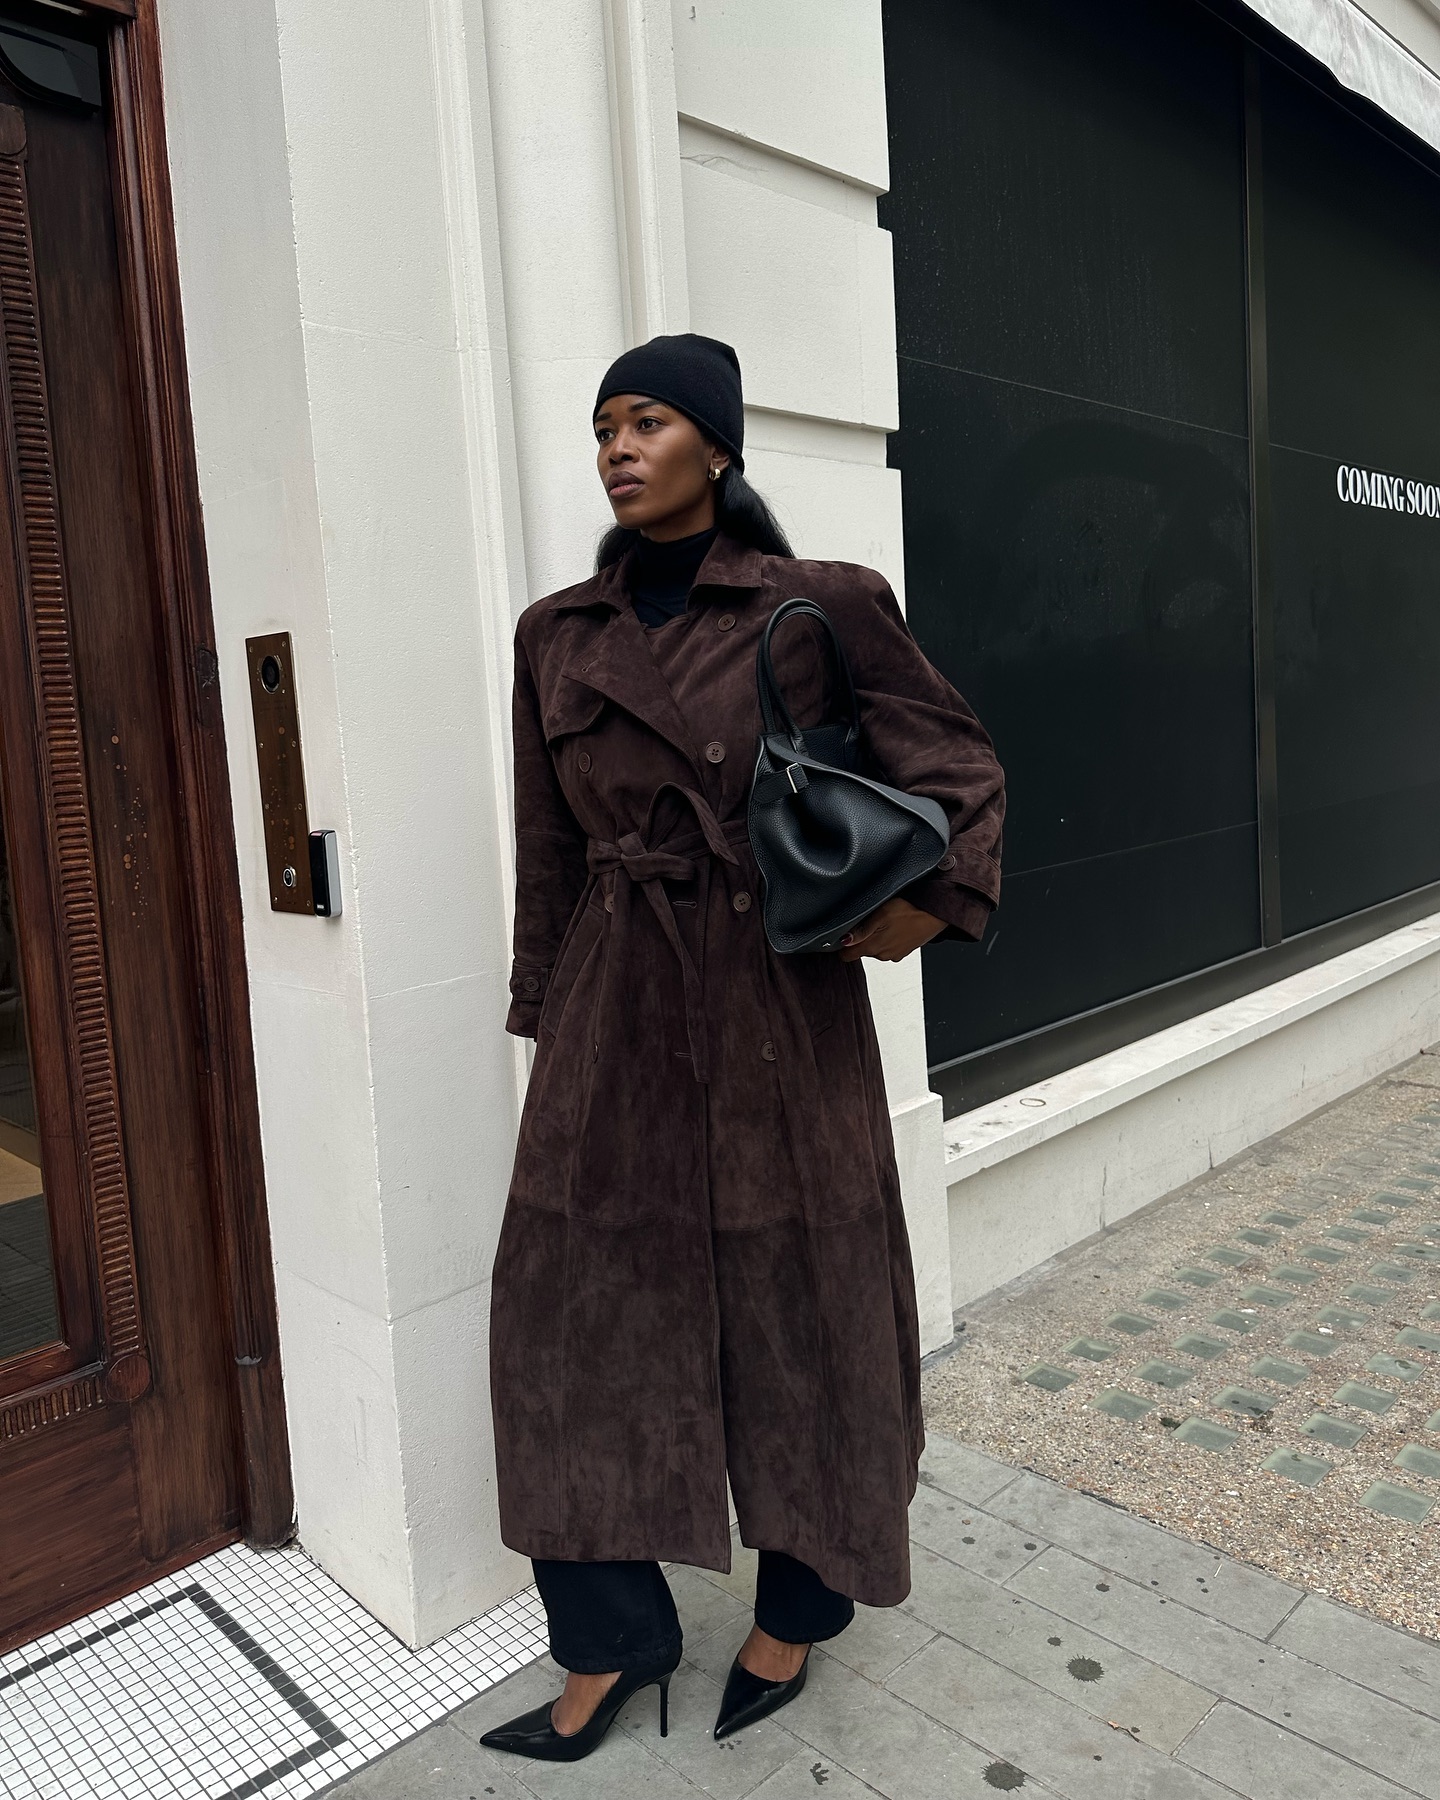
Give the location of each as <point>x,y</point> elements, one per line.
<point>650,866</point>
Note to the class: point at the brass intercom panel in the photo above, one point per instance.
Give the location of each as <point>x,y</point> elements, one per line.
<point>282,772</point>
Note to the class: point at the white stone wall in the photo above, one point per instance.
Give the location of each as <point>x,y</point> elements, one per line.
<point>412,234</point>
<point>335,215</point>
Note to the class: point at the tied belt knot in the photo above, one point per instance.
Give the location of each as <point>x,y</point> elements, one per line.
<point>677,859</point>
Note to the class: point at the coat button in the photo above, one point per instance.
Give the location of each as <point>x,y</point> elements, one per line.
<point>741,903</point>
<point>767,1050</point>
<point>946,862</point>
<point>531,984</point>
<point>715,752</point>
<point>583,762</point>
<point>610,903</point>
<point>726,622</point>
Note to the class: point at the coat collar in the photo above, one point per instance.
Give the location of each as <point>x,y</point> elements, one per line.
<point>728,564</point>
<point>618,662</point>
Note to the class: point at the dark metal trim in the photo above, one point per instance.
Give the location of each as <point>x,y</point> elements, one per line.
<point>986,1075</point>
<point>1262,571</point>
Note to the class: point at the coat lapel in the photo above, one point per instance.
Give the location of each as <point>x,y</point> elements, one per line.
<point>619,662</point>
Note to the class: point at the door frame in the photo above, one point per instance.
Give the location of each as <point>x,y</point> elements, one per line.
<point>150,284</point>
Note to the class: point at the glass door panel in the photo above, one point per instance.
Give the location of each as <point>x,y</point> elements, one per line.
<point>29,1314</point>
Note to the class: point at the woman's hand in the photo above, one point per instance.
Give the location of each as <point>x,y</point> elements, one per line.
<point>891,932</point>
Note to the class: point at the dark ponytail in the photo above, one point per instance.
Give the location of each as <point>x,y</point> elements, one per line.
<point>739,512</point>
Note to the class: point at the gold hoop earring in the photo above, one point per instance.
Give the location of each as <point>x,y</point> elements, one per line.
<point>715,474</point>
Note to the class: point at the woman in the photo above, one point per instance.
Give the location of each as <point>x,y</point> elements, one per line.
<point>703,1269</point>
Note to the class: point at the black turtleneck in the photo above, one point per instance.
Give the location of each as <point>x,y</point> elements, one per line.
<point>662,575</point>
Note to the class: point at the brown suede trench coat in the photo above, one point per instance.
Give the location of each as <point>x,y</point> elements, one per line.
<point>703,1267</point>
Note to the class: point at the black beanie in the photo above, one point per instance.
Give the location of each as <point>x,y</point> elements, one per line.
<point>699,376</point>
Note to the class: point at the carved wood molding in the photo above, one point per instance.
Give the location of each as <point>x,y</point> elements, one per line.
<point>28,1413</point>
<point>35,503</point>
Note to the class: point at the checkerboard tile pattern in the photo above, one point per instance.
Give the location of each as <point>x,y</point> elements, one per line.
<point>246,1674</point>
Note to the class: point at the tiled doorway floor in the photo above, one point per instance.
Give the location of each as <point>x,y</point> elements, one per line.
<point>245,1674</point>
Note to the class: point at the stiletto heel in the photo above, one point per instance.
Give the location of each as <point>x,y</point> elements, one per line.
<point>534,1735</point>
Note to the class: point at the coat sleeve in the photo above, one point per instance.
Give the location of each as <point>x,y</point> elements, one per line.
<point>926,740</point>
<point>550,868</point>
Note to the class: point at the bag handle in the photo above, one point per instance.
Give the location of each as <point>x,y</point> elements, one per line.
<point>775,714</point>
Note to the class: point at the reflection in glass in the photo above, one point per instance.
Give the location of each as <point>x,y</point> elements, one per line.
<point>28,1313</point>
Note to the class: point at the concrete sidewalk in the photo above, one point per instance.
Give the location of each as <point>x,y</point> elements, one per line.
<point>1051,1643</point>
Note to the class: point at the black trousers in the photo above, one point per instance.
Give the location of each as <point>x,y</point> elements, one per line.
<point>621,1615</point>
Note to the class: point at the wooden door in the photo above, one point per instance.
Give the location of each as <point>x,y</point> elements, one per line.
<point>127,1282</point>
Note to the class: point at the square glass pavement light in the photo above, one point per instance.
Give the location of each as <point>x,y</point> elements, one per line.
<point>247,1673</point>
<point>1339,1432</point>
<point>1395,1368</point>
<point>1294,1276</point>
<point>1417,1460</point>
<point>1201,1278</point>
<point>1309,1471</point>
<point>1117,1403</point>
<point>1324,1254</point>
<point>1272,1368</point>
<point>1398,1502</point>
<point>1205,1434</point>
<point>1165,1375</point>
<point>1368,1399</point>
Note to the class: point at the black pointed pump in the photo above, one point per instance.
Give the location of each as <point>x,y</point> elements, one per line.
<point>534,1735</point>
<point>748,1699</point>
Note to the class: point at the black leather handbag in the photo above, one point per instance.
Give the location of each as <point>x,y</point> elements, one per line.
<point>831,842</point>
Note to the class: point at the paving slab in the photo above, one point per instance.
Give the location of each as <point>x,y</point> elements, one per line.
<point>705,1604</point>
<point>807,1776</point>
<point>961,1471</point>
<point>878,1641</point>
<point>1376,1656</point>
<point>1172,1566</point>
<point>1337,1714</point>
<point>1044,1737</point>
<point>968,1535</point>
<point>1262,1760</point>
<point>739,1581</point>
<point>892,1746</point>
<point>1076,1665</point>
<point>441,1764</point>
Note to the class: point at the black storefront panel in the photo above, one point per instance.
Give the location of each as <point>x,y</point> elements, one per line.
<point>1070,285</point>
<point>1352,259</point>
<point>1170,384</point>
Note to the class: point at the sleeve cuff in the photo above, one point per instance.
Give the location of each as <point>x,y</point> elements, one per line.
<point>523,1021</point>
<point>965,912</point>
<point>527,994</point>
